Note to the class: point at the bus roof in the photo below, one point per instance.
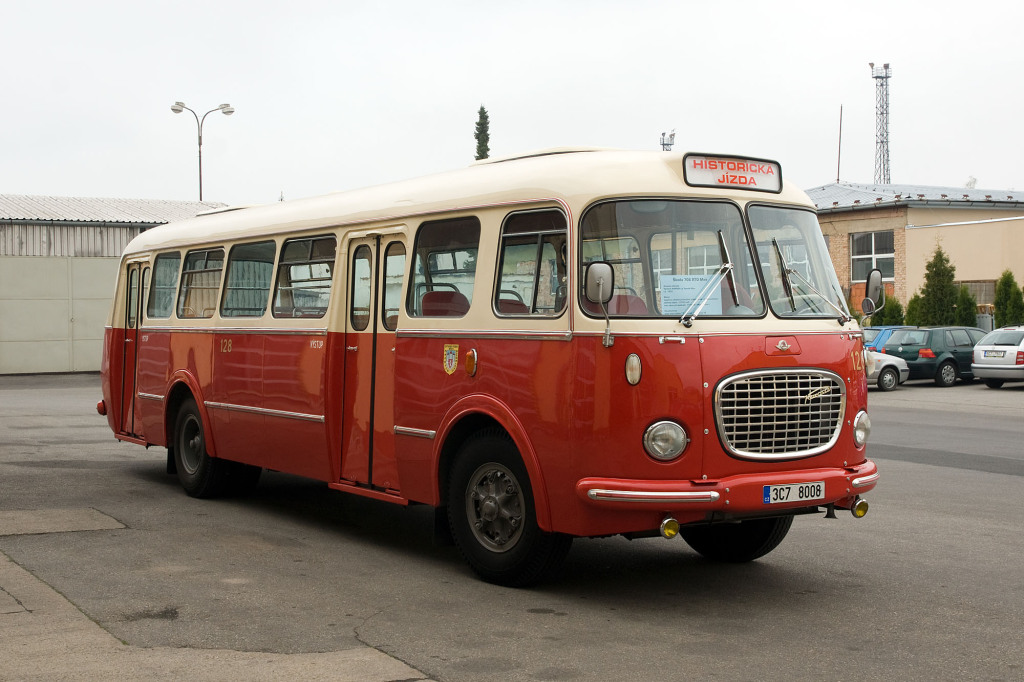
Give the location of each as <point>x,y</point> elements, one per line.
<point>576,177</point>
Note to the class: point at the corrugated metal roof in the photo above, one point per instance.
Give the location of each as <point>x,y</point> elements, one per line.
<point>847,196</point>
<point>97,210</point>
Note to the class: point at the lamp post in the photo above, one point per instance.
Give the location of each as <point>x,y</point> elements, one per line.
<point>179,107</point>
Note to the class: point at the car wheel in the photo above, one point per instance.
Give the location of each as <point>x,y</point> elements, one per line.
<point>492,515</point>
<point>994,383</point>
<point>946,376</point>
<point>888,379</point>
<point>737,542</point>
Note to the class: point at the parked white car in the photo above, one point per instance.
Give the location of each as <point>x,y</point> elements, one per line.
<point>999,356</point>
<point>886,371</point>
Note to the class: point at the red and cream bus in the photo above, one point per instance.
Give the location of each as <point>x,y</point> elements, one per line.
<point>574,343</point>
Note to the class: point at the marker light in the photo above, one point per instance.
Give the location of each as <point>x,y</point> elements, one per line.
<point>664,441</point>
<point>861,429</point>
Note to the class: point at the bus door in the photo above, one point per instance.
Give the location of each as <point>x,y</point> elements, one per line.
<point>375,274</point>
<point>135,291</point>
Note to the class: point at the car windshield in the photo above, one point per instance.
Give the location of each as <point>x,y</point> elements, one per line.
<point>1003,337</point>
<point>672,258</point>
<point>795,263</point>
<point>870,335</point>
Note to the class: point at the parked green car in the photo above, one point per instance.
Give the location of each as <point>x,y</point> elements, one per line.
<point>940,353</point>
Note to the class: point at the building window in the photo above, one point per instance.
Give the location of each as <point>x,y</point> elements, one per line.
<point>869,250</point>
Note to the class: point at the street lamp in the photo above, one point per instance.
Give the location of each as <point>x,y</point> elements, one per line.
<point>225,109</point>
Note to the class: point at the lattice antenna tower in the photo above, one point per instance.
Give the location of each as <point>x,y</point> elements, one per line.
<point>881,75</point>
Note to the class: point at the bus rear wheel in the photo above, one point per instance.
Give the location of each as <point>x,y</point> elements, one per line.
<point>200,475</point>
<point>737,542</point>
<point>492,515</point>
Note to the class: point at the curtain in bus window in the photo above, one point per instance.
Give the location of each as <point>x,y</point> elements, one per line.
<point>200,283</point>
<point>165,284</point>
<point>304,277</point>
<point>247,285</point>
<point>444,268</point>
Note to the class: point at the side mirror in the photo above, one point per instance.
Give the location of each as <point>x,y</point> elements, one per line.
<point>599,282</point>
<point>873,289</point>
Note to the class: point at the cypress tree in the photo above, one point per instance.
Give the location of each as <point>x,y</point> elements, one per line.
<point>966,308</point>
<point>1009,301</point>
<point>483,134</point>
<point>939,294</point>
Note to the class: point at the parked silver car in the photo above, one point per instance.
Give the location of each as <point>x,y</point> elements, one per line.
<point>886,371</point>
<point>999,356</point>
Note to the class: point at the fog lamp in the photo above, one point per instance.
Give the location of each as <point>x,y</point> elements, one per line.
<point>669,528</point>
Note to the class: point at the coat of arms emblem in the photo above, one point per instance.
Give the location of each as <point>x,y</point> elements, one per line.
<point>451,357</point>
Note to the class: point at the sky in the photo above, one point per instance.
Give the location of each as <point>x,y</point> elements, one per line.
<point>343,94</point>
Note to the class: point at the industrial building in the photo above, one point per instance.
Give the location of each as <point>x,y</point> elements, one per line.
<point>58,261</point>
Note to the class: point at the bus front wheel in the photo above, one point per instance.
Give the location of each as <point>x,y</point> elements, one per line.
<point>200,475</point>
<point>737,542</point>
<point>492,515</point>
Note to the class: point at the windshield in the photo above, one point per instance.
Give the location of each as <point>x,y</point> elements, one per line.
<point>789,238</point>
<point>670,258</point>
<point>870,334</point>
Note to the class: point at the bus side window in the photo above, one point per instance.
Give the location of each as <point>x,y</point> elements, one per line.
<point>304,277</point>
<point>247,283</point>
<point>444,268</point>
<point>165,284</point>
<point>532,273</point>
<point>200,283</point>
<point>394,275</point>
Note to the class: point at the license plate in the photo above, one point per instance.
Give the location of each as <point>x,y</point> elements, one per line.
<point>794,492</point>
<point>994,353</point>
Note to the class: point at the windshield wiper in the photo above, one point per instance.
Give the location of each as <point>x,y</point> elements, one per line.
<point>787,285</point>
<point>725,269</point>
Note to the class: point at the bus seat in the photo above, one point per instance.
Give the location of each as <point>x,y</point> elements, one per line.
<point>510,306</point>
<point>627,304</point>
<point>444,304</point>
<point>620,304</point>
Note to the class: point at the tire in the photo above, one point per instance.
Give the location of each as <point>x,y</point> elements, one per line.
<point>994,383</point>
<point>737,542</point>
<point>200,475</point>
<point>946,375</point>
<point>889,379</point>
<point>492,515</point>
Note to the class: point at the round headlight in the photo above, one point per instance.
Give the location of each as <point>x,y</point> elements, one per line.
<point>861,429</point>
<point>665,441</point>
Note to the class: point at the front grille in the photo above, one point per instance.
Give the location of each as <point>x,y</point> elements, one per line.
<point>781,414</point>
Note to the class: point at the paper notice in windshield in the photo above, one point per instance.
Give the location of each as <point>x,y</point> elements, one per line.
<point>680,292</point>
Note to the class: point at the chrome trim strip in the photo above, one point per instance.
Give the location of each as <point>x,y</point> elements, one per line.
<point>292,331</point>
<point>266,412</point>
<point>415,433</point>
<point>151,396</point>
<point>515,335</point>
<point>865,480</point>
<point>651,496</point>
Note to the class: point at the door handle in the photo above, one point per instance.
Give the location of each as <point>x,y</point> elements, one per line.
<point>351,348</point>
